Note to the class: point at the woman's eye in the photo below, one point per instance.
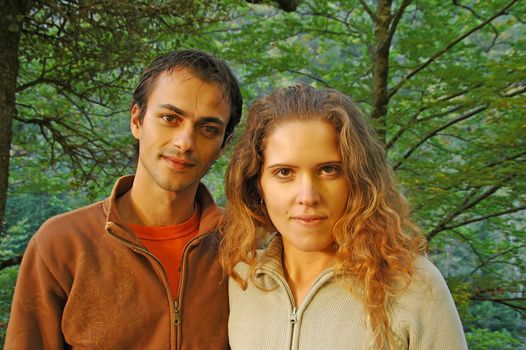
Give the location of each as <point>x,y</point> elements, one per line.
<point>330,170</point>
<point>283,173</point>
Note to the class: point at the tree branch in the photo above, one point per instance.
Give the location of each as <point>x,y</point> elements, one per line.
<point>467,204</point>
<point>42,80</point>
<point>397,17</point>
<point>507,159</point>
<point>470,243</point>
<point>368,10</point>
<point>380,90</point>
<point>430,60</point>
<point>16,260</point>
<point>410,124</point>
<point>436,131</point>
<point>515,92</point>
<point>504,301</point>
<point>319,80</point>
<point>492,258</point>
<point>488,216</point>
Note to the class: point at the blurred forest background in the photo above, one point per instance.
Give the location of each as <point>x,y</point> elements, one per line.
<point>443,82</point>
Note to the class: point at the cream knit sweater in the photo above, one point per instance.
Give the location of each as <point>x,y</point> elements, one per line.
<point>423,317</point>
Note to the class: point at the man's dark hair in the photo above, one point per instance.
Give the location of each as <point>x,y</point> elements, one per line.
<point>205,67</point>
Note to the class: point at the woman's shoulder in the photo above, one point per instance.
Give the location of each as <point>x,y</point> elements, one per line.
<point>427,283</point>
<point>425,311</point>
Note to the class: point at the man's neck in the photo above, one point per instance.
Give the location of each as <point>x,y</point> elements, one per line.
<point>156,207</point>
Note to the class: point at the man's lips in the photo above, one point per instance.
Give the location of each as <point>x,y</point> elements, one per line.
<point>178,163</point>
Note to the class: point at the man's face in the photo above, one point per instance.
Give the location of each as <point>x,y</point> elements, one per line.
<point>181,132</point>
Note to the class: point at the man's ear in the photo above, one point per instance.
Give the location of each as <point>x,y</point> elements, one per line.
<point>135,122</point>
<point>227,141</point>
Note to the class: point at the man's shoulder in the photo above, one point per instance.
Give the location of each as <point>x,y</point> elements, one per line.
<point>77,216</point>
<point>85,219</point>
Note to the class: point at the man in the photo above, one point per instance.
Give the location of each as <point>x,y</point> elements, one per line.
<point>139,270</point>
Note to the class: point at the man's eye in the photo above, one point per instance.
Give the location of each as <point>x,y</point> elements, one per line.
<point>210,131</point>
<point>169,118</point>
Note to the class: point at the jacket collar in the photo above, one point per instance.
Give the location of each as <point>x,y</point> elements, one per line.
<point>269,274</point>
<point>270,258</point>
<point>115,225</point>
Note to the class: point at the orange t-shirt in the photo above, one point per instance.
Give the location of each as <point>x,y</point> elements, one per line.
<point>166,243</point>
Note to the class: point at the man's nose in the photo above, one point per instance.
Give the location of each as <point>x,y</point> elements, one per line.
<point>184,138</point>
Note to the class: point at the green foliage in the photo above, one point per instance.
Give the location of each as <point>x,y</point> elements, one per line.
<point>78,66</point>
<point>15,241</point>
<point>455,129</point>
<point>496,317</point>
<point>455,134</point>
<point>7,285</point>
<point>214,179</point>
<point>483,339</point>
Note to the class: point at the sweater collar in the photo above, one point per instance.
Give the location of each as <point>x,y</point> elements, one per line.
<point>270,258</point>
<point>209,220</point>
<point>270,273</point>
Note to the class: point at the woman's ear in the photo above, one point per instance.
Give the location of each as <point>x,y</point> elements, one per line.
<point>268,225</point>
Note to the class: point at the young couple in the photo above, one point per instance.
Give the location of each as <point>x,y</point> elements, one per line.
<point>314,251</point>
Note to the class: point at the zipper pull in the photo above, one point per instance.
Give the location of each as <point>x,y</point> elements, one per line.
<point>177,319</point>
<point>293,317</point>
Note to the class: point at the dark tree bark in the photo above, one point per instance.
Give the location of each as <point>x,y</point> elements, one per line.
<point>380,98</point>
<point>288,5</point>
<point>285,5</point>
<point>11,16</point>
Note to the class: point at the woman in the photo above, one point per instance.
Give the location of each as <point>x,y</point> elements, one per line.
<point>346,268</point>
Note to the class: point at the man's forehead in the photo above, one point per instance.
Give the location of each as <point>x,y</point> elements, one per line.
<point>183,76</point>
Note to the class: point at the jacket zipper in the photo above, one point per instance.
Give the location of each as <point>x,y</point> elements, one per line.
<point>177,317</point>
<point>177,311</point>
<point>293,318</point>
<point>177,303</point>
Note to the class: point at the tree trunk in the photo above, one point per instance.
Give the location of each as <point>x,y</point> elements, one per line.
<point>380,98</point>
<point>11,16</point>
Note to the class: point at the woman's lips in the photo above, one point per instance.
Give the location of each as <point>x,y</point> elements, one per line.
<point>308,220</point>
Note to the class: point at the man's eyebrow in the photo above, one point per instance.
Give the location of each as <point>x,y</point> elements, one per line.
<point>173,108</point>
<point>202,120</point>
<point>214,120</point>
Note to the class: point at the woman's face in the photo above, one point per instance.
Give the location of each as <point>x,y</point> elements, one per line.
<point>303,184</point>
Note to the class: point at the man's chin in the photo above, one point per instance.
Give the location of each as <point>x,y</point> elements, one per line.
<point>177,187</point>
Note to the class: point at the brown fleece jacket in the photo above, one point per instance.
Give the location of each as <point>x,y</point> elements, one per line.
<point>86,282</point>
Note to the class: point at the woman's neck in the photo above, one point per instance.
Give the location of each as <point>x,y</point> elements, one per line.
<point>301,269</point>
